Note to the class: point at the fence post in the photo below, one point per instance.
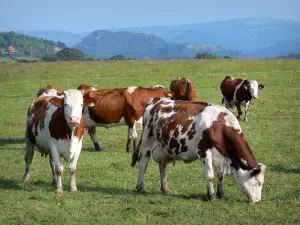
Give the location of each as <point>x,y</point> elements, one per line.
<point>291,77</point>
<point>68,82</point>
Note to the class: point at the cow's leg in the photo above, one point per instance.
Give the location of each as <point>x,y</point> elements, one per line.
<point>227,105</point>
<point>209,174</point>
<point>58,169</point>
<point>238,106</point>
<point>92,133</point>
<point>132,135</point>
<point>161,159</point>
<point>72,166</point>
<point>220,192</point>
<point>247,105</point>
<point>52,165</point>
<point>28,158</point>
<point>145,149</point>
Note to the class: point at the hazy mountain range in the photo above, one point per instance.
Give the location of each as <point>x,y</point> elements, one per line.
<point>254,37</point>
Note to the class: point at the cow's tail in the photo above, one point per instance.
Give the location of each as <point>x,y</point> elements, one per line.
<point>222,100</point>
<point>135,155</point>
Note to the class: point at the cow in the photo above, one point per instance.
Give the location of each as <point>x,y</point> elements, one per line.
<point>55,126</point>
<point>49,91</point>
<point>182,130</point>
<point>239,92</point>
<point>183,89</point>
<point>121,106</point>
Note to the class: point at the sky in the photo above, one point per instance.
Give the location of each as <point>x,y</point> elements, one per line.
<point>87,15</point>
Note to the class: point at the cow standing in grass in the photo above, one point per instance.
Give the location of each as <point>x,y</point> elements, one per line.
<point>183,89</point>
<point>239,92</point>
<point>121,106</point>
<point>181,130</point>
<point>55,126</point>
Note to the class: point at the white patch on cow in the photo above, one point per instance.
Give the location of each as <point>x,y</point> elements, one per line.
<point>131,89</point>
<point>132,134</point>
<point>139,124</point>
<point>232,78</point>
<point>236,89</point>
<point>254,89</point>
<point>158,86</point>
<point>50,92</point>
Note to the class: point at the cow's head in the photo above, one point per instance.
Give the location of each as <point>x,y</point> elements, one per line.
<point>253,88</point>
<point>251,182</point>
<point>72,102</point>
<point>49,91</point>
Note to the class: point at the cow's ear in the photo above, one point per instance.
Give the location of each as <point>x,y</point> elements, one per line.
<point>261,86</point>
<point>89,101</point>
<point>59,102</point>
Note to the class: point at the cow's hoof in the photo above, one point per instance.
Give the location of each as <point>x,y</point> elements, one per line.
<point>246,119</point>
<point>140,189</point>
<point>220,194</point>
<point>97,147</point>
<point>26,180</point>
<point>59,191</point>
<point>211,197</point>
<point>73,189</point>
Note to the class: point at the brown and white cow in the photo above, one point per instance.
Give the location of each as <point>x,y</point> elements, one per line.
<point>121,106</point>
<point>181,130</point>
<point>49,91</point>
<point>55,126</point>
<point>183,89</point>
<point>239,92</point>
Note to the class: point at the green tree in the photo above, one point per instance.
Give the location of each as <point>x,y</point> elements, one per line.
<point>227,57</point>
<point>206,55</point>
<point>71,54</point>
<point>118,57</point>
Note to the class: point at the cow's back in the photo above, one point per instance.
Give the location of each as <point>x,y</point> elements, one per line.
<point>228,87</point>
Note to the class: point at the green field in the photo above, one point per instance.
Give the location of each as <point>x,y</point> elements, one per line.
<point>106,182</point>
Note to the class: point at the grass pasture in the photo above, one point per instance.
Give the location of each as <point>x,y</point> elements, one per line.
<point>106,183</point>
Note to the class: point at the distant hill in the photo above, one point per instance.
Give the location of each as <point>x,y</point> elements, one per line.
<point>25,45</point>
<point>291,56</point>
<point>280,49</point>
<point>69,38</point>
<point>248,35</point>
<point>105,44</point>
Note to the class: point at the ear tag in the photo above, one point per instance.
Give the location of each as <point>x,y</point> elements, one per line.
<point>92,104</point>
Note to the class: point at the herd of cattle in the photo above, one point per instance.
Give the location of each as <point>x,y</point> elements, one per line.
<point>174,127</point>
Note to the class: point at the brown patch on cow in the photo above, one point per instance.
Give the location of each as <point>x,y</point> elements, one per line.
<point>182,89</point>
<point>192,131</point>
<point>79,130</point>
<point>38,112</point>
<point>49,87</point>
<point>58,126</point>
<point>58,102</point>
<point>229,142</point>
<point>228,87</point>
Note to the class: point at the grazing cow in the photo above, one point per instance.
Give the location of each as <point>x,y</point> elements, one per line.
<point>183,89</point>
<point>181,130</point>
<point>122,106</point>
<point>49,91</point>
<point>239,92</point>
<point>55,126</point>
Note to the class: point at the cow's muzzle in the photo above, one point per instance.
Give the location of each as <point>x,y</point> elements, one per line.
<point>74,120</point>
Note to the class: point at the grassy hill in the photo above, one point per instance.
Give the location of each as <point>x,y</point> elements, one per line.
<point>106,183</point>
<point>26,46</point>
<point>105,44</point>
